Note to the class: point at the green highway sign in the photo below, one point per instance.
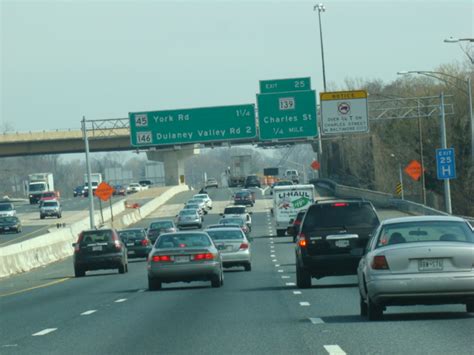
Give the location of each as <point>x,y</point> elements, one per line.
<point>287,115</point>
<point>284,85</point>
<point>195,125</point>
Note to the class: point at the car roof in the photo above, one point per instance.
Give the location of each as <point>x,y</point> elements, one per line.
<point>225,229</point>
<point>130,229</point>
<point>236,206</point>
<point>186,232</point>
<point>328,200</point>
<point>423,219</point>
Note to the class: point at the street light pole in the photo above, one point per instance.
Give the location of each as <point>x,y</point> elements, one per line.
<point>90,193</point>
<point>444,144</point>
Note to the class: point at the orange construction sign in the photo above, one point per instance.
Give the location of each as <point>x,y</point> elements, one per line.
<point>413,170</point>
<point>315,165</point>
<point>104,191</point>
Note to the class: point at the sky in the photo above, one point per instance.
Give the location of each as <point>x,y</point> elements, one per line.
<point>62,60</point>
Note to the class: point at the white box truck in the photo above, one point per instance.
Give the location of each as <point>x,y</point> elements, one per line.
<point>96,179</point>
<point>39,183</point>
<point>288,201</point>
<point>239,169</point>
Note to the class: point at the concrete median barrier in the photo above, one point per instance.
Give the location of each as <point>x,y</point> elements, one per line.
<point>57,244</point>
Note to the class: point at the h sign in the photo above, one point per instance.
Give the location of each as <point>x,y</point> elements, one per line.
<point>445,166</point>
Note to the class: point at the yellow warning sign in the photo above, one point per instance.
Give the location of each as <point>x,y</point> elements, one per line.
<point>343,95</point>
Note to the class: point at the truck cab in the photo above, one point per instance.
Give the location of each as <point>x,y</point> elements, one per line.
<point>292,174</point>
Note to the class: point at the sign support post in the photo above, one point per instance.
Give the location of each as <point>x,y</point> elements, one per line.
<point>447,187</point>
<point>89,182</point>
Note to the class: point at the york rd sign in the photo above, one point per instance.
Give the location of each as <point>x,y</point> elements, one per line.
<point>445,164</point>
<point>344,112</point>
<point>287,115</point>
<point>284,85</point>
<point>195,125</point>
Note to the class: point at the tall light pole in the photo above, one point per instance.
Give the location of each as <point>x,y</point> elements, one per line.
<point>90,193</point>
<point>458,40</point>
<point>468,92</point>
<point>320,8</point>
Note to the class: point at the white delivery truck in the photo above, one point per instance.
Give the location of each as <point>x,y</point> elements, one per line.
<point>288,201</point>
<point>39,183</point>
<point>96,179</point>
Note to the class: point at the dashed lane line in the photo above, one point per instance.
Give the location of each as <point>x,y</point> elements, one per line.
<point>297,292</point>
<point>44,332</point>
<point>120,300</point>
<point>304,304</point>
<point>334,350</point>
<point>285,277</point>
<point>86,313</point>
<point>290,284</point>
<point>316,321</point>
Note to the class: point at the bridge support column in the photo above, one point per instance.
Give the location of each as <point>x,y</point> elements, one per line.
<point>173,161</point>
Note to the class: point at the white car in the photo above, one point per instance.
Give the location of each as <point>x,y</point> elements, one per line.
<point>134,187</point>
<point>205,198</point>
<point>238,211</point>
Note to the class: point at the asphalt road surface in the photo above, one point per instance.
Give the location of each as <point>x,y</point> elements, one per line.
<point>48,311</point>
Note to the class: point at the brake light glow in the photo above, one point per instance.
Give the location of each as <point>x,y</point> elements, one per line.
<point>380,263</point>
<point>302,240</point>
<point>160,258</point>
<point>205,256</point>
<point>244,246</point>
<point>145,242</point>
<point>340,204</point>
<point>297,223</point>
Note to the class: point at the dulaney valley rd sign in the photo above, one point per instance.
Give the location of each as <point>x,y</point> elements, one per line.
<point>195,125</point>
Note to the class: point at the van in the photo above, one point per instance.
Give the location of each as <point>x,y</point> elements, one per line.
<point>292,174</point>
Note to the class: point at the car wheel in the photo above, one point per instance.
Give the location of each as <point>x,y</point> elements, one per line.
<point>363,306</point>
<point>79,272</point>
<point>303,277</point>
<point>470,307</point>
<point>216,281</point>
<point>248,267</point>
<point>42,217</point>
<point>126,267</point>
<point>121,269</point>
<point>280,232</point>
<point>374,311</point>
<point>154,284</point>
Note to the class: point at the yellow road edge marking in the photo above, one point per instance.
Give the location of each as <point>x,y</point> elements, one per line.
<point>35,287</point>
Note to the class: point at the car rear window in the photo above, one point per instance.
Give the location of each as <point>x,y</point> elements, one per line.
<point>183,240</point>
<point>8,219</point>
<point>238,221</point>
<point>429,231</point>
<point>234,210</point>
<point>230,225</point>
<point>131,234</point>
<point>336,215</point>
<point>50,204</point>
<point>188,211</point>
<point>160,225</point>
<point>99,236</point>
<point>6,207</point>
<point>226,235</point>
<point>242,194</point>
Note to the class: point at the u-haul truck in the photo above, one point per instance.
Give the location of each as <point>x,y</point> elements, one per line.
<point>288,201</point>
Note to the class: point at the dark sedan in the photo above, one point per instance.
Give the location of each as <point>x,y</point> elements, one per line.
<point>137,242</point>
<point>10,224</point>
<point>158,227</point>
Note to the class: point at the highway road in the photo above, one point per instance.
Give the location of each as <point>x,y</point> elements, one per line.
<point>47,311</point>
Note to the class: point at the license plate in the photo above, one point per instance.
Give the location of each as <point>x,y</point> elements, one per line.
<point>181,259</point>
<point>131,252</point>
<point>130,244</point>
<point>7,228</point>
<point>221,247</point>
<point>342,243</point>
<point>229,248</point>
<point>430,264</point>
<point>97,248</point>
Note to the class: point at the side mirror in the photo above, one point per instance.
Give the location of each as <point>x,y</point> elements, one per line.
<point>358,252</point>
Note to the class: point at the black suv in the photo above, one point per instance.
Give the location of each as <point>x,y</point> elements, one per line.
<point>252,181</point>
<point>99,249</point>
<point>330,230</point>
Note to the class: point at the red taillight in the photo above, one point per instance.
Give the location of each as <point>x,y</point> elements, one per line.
<point>145,242</point>
<point>244,246</point>
<point>302,240</point>
<point>340,204</point>
<point>206,256</point>
<point>296,223</point>
<point>380,263</point>
<point>160,258</point>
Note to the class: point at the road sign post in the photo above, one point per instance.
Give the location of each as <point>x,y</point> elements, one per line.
<point>196,125</point>
<point>287,115</point>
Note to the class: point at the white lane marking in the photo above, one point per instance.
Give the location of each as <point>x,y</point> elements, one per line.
<point>274,260</point>
<point>304,304</point>
<point>271,238</point>
<point>272,256</point>
<point>290,284</point>
<point>120,300</point>
<point>142,290</point>
<point>277,265</point>
<point>44,332</point>
<point>285,277</point>
<point>86,313</point>
<point>334,350</point>
<point>297,292</point>
<point>316,321</point>
<point>280,270</point>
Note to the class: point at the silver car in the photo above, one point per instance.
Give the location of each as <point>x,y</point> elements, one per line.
<point>186,257</point>
<point>233,245</point>
<point>50,208</point>
<point>417,260</point>
<point>189,218</point>
<point>200,202</point>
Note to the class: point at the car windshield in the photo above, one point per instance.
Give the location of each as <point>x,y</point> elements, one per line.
<point>50,204</point>
<point>161,225</point>
<point>336,215</point>
<point>37,187</point>
<point>231,234</point>
<point>238,221</point>
<point>183,241</point>
<point>234,210</point>
<point>131,234</point>
<point>6,207</point>
<point>98,236</point>
<point>426,231</point>
<point>8,219</point>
